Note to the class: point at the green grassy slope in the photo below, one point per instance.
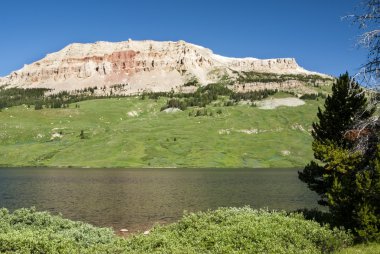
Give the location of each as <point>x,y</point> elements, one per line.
<point>114,138</point>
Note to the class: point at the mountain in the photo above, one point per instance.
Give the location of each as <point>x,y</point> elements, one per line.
<point>155,66</point>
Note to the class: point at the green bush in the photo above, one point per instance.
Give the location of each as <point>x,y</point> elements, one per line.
<point>226,230</point>
<point>29,231</point>
<point>241,230</point>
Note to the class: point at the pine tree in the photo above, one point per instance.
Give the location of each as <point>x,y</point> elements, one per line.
<point>367,208</point>
<point>346,104</point>
<point>346,180</point>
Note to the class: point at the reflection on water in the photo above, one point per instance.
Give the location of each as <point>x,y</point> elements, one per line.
<point>137,198</point>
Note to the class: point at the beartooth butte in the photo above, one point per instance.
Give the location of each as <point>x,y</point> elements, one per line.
<point>149,66</point>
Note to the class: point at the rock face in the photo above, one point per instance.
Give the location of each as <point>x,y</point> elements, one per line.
<point>143,65</point>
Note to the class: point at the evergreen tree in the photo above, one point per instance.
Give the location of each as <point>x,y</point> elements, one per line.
<point>346,105</point>
<point>367,208</point>
<point>38,105</point>
<point>346,102</point>
<point>346,180</point>
<point>81,135</point>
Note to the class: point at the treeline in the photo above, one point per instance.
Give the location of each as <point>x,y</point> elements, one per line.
<point>308,96</point>
<point>249,77</point>
<point>37,98</point>
<point>207,94</point>
<point>18,96</point>
<point>203,96</point>
<point>200,98</point>
<point>313,96</point>
<point>252,95</point>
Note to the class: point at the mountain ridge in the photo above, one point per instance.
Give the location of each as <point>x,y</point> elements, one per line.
<point>145,66</point>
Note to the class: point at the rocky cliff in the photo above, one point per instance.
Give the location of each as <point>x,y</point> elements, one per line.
<point>143,65</point>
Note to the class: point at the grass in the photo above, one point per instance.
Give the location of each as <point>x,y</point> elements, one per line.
<point>116,138</point>
<point>370,248</point>
<point>225,230</point>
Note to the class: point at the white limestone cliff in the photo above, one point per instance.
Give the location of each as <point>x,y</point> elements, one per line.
<point>143,65</point>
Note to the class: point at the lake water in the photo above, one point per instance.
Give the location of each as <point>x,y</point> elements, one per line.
<point>138,198</point>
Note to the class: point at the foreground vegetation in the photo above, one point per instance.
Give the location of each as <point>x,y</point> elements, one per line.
<point>346,170</point>
<point>226,230</point>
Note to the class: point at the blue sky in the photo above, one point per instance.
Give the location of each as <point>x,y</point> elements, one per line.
<point>310,31</point>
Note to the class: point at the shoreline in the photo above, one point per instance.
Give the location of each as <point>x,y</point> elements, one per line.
<point>139,168</point>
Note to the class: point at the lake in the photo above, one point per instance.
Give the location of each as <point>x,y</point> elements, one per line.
<point>136,199</point>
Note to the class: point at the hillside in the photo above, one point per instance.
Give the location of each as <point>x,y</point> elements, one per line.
<point>132,132</point>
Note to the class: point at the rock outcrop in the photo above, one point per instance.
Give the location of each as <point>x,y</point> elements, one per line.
<point>143,65</point>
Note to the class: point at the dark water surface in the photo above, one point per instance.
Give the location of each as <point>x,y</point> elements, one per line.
<point>138,198</point>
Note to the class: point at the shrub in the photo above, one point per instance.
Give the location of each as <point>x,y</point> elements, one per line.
<point>192,82</point>
<point>29,231</point>
<point>241,230</point>
<point>226,230</point>
<point>312,96</point>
